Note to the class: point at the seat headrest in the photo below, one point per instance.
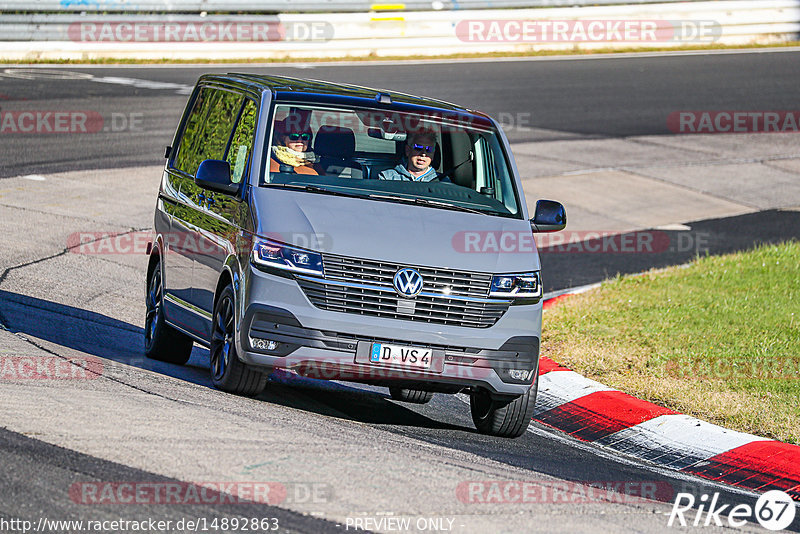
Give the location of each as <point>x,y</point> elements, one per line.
<point>436,161</point>
<point>335,141</point>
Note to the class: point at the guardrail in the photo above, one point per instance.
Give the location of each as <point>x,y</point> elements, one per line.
<point>63,36</point>
<point>282,6</point>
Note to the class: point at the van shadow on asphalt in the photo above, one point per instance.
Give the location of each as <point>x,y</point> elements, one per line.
<point>57,326</point>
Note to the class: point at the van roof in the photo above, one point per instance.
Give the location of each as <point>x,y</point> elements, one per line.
<point>287,88</point>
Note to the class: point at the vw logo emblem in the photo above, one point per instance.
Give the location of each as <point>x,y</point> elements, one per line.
<point>408,282</point>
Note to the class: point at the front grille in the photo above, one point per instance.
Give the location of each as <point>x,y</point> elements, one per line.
<point>461,283</point>
<point>448,297</point>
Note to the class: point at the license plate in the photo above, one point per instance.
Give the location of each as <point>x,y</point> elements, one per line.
<point>401,355</point>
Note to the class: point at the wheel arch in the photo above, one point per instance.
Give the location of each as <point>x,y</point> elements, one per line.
<point>155,257</point>
<point>230,274</point>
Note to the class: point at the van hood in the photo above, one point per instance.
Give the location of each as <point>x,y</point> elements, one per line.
<point>395,232</point>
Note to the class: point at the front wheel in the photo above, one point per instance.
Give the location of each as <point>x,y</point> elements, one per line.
<point>503,418</point>
<point>228,373</point>
<point>161,341</point>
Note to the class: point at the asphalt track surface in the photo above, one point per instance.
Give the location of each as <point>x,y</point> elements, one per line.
<point>583,98</point>
<point>26,459</point>
<point>591,98</point>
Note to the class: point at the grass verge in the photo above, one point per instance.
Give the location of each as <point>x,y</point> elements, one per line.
<point>374,57</point>
<point>718,339</point>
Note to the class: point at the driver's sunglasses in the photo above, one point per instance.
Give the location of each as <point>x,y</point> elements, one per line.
<point>423,148</point>
<point>299,136</point>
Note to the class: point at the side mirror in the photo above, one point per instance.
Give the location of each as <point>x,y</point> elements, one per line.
<point>215,175</point>
<point>550,216</point>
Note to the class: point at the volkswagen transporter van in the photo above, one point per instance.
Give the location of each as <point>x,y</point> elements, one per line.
<point>347,233</point>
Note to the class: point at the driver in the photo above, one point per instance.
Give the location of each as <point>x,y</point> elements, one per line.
<point>416,165</point>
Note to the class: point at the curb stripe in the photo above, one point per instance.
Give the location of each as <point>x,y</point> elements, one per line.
<point>761,465</point>
<point>601,414</point>
<point>549,302</point>
<point>593,412</point>
<point>546,365</point>
<point>556,389</point>
<point>676,440</point>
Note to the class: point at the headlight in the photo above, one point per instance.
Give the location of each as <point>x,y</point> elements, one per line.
<point>273,254</point>
<point>523,286</point>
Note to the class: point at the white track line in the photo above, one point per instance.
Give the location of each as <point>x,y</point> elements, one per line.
<point>305,64</point>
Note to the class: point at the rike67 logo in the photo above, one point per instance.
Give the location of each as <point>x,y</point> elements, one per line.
<point>774,510</point>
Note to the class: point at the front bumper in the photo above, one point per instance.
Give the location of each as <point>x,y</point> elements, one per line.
<point>335,345</point>
<point>345,356</point>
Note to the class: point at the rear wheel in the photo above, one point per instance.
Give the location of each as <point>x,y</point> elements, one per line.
<point>415,396</point>
<point>161,341</point>
<point>228,373</point>
<point>507,418</point>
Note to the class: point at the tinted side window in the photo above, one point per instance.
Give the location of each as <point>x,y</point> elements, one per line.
<point>208,128</point>
<point>242,142</point>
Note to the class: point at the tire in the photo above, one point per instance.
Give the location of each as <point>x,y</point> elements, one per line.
<point>161,341</point>
<point>414,396</point>
<point>506,419</point>
<point>228,373</point>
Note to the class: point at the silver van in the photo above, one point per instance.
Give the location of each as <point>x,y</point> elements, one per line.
<point>347,233</point>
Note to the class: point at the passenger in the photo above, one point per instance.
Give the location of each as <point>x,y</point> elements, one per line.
<point>290,151</point>
<point>416,165</point>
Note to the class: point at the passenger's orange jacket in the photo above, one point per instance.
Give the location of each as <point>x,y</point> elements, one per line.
<point>274,166</point>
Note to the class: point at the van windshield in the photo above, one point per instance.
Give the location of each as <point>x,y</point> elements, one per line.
<point>439,160</point>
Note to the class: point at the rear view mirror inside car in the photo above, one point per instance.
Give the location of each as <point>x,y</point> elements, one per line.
<point>377,133</point>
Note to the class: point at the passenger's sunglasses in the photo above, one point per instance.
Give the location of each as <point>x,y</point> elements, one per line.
<point>299,136</point>
<point>422,148</point>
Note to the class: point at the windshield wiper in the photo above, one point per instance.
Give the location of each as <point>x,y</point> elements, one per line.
<point>315,189</point>
<point>447,205</point>
<point>426,202</point>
